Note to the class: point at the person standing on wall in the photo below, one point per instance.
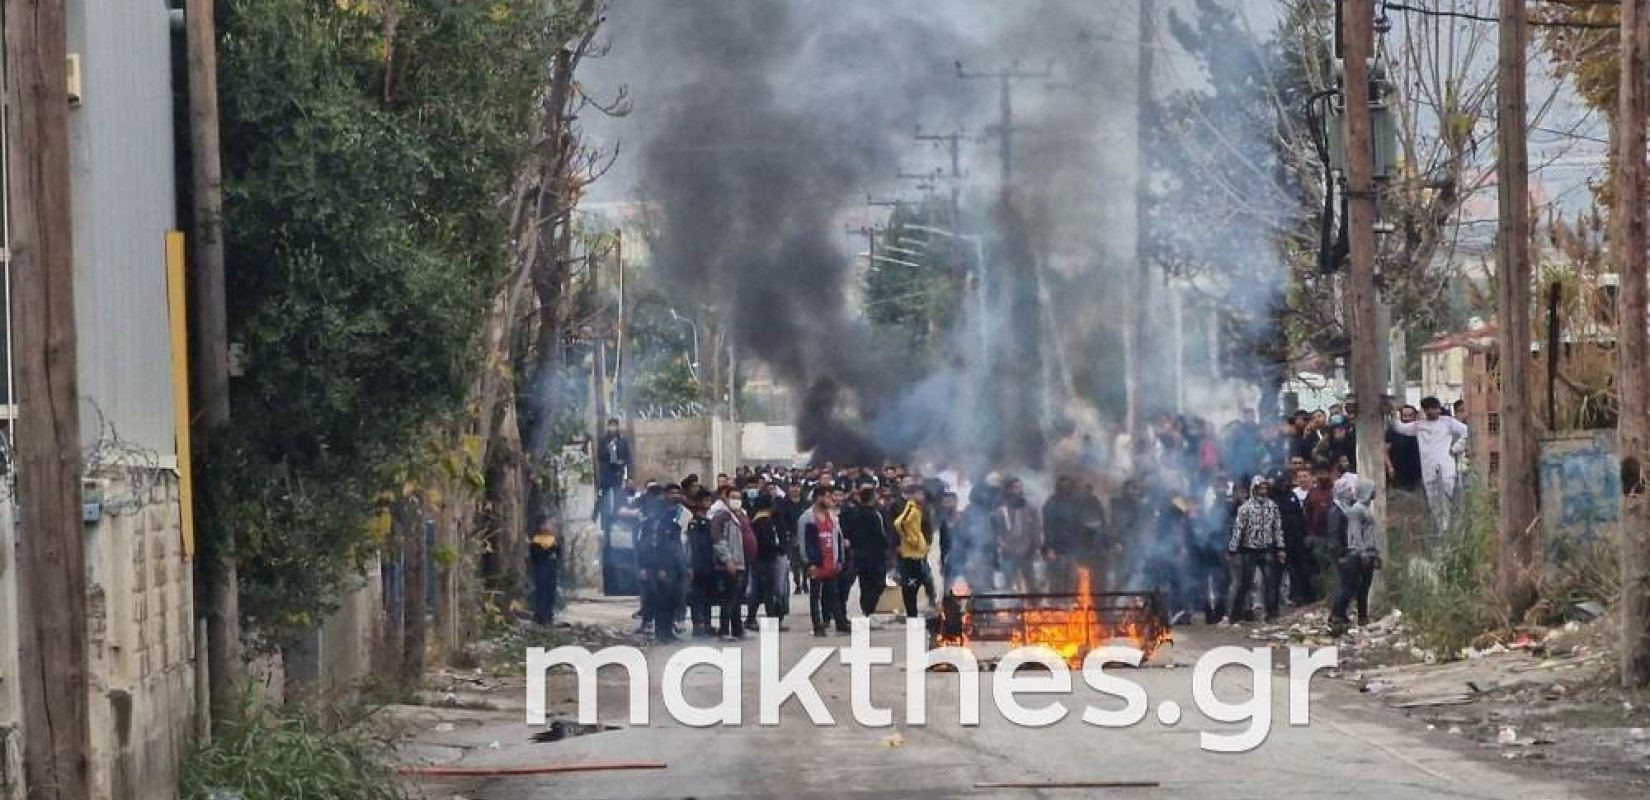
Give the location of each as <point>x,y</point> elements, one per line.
<point>612,470</point>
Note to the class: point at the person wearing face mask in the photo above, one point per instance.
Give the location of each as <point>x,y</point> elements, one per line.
<point>727,536</point>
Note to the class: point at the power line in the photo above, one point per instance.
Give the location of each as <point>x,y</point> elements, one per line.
<point>1435,12</point>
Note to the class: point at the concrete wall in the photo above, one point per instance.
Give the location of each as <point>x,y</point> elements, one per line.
<point>340,653</point>
<point>762,442</point>
<point>671,449</point>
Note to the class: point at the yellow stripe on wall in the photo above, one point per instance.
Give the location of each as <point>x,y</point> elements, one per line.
<point>177,309</point>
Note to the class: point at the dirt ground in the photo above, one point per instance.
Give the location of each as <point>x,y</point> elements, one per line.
<point>1551,701</point>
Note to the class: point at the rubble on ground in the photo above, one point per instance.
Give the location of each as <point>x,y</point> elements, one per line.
<point>1546,695</point>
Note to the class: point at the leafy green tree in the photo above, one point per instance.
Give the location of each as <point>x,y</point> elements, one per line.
<point>365,158</point>
<point>914,286</point>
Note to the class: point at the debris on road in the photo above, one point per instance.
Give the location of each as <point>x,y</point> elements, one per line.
<point>551,769</point>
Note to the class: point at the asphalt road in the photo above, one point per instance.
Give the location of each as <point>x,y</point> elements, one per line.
<point>1350,748</point>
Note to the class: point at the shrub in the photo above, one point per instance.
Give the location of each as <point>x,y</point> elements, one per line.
<point>292,753</point>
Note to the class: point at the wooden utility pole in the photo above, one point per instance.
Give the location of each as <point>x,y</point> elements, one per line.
<point>1140,307</point>
<point>211,346</point>
<point>1516,520</point>
<point>1633,350</point>
<point>51,567</point>
<point>1358,40</point>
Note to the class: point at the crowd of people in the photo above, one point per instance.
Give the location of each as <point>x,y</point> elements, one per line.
<point>1204,516</point>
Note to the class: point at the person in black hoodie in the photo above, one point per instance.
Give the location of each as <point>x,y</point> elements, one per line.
<point>768,566</point>
<point>866,530</point>
<point>701,562</point>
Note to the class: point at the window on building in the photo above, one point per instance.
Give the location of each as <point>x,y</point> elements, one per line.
<point>1495,465</point>
<point>1493,423</point>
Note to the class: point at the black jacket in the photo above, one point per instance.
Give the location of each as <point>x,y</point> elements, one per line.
<point>613,459</point>
<point>701,559</point>
<point>866,531</point>
<point>770,541</point>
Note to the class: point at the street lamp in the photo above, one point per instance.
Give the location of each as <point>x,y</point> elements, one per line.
<point>693,366</point>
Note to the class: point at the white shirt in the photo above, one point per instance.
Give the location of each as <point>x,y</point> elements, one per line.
<point>1437,440</point>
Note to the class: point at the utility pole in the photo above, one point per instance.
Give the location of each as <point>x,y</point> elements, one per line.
<point>223,627</point>
<point>51,566</point>
<point>1005,103</point>
<point>1140,318</point>
<point>953,142</point>
<point>1517,515</point>
<point>619,408</point>
<point>1358,46</point>
<point>1022,404</point>
<point>1633,434</point>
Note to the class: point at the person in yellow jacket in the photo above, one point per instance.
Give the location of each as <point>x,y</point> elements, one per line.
<point>913,549</point>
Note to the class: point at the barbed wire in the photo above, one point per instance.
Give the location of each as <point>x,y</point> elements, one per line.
<point>139,469</point>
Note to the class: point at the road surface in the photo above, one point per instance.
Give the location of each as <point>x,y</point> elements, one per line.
<point>1351,747</point>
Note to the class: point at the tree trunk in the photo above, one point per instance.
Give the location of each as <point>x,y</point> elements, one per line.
<point>1634,349</point>
<point>51,560</point>
<point>412,518</point>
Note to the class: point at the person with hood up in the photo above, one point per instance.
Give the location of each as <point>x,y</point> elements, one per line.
<point>727,544</point>
<point>1019,529</point>
<point>1256,543</point>
<point>1352,526</point>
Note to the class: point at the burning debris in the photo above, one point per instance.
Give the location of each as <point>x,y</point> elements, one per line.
<point>1072,625</point>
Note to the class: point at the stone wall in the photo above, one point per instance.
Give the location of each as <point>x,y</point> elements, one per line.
<point>141,625</point>
<point>141,635</point>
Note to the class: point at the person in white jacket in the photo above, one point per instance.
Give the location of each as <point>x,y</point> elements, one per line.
<point>1440,440</point>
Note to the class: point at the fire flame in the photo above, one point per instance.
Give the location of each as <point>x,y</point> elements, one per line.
<point>1071,628</point>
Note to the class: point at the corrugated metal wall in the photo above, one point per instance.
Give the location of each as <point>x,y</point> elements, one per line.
<point>124,202</point>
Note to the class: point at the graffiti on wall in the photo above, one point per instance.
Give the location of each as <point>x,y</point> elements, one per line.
<point>1580,487</point>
